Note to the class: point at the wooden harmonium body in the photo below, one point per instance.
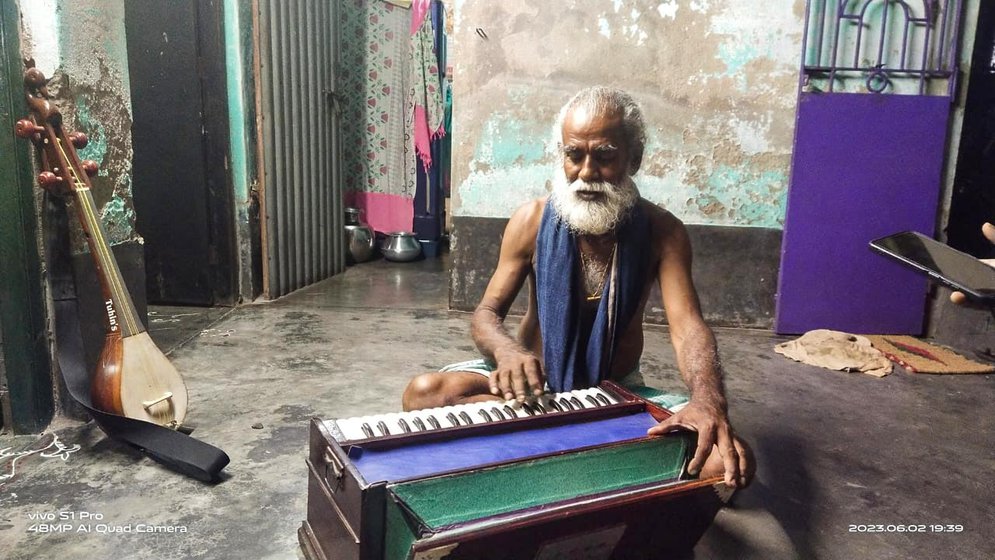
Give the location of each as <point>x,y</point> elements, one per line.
<point>569,476</point>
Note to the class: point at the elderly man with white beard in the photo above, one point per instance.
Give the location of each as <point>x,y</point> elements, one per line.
<point>590,253</point>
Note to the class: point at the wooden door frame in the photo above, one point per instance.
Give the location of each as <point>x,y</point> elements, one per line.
<point>26,378</point>
<point>217,149</point>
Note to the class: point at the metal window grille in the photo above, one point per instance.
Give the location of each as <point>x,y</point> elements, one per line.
<point>881,42</point>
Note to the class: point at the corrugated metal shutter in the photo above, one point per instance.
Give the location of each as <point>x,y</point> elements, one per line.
<point>302,217</point>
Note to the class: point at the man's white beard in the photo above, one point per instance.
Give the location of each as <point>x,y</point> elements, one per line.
<point>593,217</point>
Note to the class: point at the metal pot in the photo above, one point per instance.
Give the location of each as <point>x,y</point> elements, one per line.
<point>400,246</point>
<point>360,239</point>
<point>352,216</point>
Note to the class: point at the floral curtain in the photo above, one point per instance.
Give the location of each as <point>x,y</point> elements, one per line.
<point>373,80</point>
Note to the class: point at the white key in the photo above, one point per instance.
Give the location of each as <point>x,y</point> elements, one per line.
<point>429,424</point>
<point>390,422</point>
<point>352,428</point>
<point>466,414</point>
<point>442,414</point>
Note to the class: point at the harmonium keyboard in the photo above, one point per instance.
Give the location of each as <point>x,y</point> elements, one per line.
<point>565,476</point>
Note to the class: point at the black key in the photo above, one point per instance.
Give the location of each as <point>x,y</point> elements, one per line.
<point>368,430</point>
<point>418,423</point>
<point>483,414</point>
<point>528,409</point>
<point>577,403</point>
<point>466,418</point>
<point>434,422</point>
<point>566,403</point>
<point>497,413</point>
<point>404,425</point>
<point>541,408</point>
<point>592,400</point>
<point>553,403</point>
<point>510,411</point>
<point>604,399</point>
<point>452,419</point>
<point>383,428</point>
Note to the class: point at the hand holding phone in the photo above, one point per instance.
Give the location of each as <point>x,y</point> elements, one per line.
<point>973,278</point>
<point>958,297</point>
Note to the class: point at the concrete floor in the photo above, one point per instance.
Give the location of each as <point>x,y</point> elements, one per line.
<point>835,450</point>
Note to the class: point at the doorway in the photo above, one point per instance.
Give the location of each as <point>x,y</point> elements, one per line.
<point>875,92</point>
<point>181,182</point>
<point>973,199</point>
<point>301,215</point>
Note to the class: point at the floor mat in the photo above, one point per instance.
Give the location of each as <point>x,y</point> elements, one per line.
<point>919,356</point>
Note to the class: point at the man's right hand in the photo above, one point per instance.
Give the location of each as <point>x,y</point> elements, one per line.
<point>988,230</point>
<point>518,375</point>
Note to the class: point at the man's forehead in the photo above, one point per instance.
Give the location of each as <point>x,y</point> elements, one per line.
<point>584,123</point>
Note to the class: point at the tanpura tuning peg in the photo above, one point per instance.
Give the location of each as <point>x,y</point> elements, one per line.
<point>49,180</point>
<point>79,140</point>
<point>34,78</point>
<point>90,167</point>
<point>25,128</point>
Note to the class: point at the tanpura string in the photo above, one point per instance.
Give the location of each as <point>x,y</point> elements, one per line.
<point>112,273</point>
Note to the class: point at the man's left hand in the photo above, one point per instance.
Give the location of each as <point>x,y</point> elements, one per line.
<point>714,434</point>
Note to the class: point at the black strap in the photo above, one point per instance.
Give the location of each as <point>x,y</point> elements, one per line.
<point>173,449</point>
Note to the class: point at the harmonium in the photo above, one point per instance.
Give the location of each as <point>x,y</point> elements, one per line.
<point>566,476</point>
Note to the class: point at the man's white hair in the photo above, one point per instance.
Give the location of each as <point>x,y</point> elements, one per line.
<point>602,100</point>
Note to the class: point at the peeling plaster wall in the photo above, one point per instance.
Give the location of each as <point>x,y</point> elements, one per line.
<point>716,78</point>
<point>81,46</point>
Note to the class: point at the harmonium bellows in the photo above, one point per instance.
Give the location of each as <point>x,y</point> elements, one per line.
<point>567,476</point>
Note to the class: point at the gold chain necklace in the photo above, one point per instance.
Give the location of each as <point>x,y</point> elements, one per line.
<point>599,275</point>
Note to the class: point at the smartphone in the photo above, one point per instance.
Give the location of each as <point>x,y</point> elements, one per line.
<point>942,263</point>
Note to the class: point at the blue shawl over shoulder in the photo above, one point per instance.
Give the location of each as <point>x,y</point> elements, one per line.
<point>575,359</point>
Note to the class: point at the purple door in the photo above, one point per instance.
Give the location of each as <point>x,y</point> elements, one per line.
<point>869,149</point>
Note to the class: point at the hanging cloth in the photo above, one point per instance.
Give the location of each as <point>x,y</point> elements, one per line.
<point>419,9</point>
<point>427,94</point>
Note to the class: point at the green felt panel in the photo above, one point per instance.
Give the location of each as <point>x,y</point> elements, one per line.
<point>474,495</point>
<point>398,536</point>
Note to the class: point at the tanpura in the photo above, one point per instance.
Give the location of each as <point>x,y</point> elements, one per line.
<point>133,378</point>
